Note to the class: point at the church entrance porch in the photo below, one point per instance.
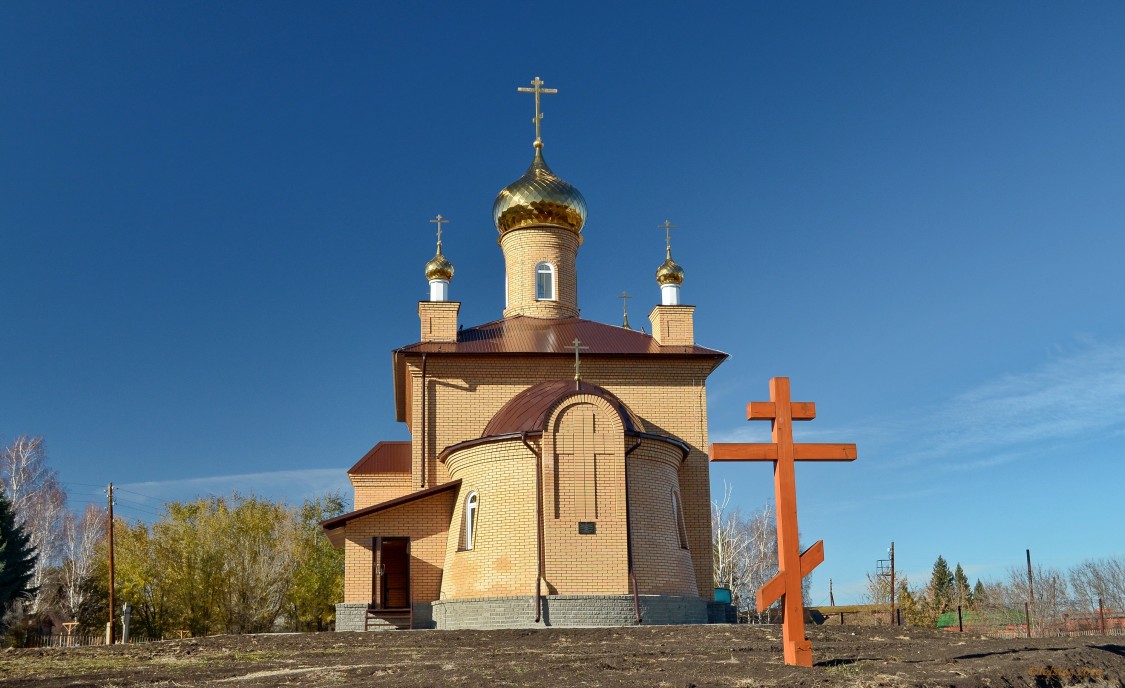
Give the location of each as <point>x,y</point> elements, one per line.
<point>391,584</point>
<point>391,601</point>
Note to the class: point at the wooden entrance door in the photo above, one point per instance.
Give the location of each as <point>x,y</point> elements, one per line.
<point>393,572</point>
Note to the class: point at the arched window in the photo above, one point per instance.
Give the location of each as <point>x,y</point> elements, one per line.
<point>678,517</point>
<point>544,282</point>
<point>471,504</point>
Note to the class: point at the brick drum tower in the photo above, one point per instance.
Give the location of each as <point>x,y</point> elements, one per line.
<point>557,473</point>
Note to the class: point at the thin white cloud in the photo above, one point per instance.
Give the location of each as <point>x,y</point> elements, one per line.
<point>293,486</point>
<point>1074,395</point>
<point>1070,396</point>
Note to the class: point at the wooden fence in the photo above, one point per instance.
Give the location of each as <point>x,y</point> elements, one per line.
<point>34,639</point>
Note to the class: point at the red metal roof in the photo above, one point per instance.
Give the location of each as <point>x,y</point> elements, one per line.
<point>527,411</point>
<point>342,520</point>
<point>385,457</point>
<point>524,334</point>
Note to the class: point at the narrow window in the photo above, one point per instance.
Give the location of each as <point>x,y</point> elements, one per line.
<point>678,517</point>
<point>471,503</point>
<point>544,282</point>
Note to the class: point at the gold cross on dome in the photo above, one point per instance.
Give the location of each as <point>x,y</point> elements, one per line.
<point>578,347</point>
<point>668,227</point>
<point>439,221</point>
<point>537,88</point>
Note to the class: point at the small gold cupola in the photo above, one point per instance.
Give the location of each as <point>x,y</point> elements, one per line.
<point>669,271</point>
<point>669,275</point>
<point>439,270</point>
<point>673,324</point>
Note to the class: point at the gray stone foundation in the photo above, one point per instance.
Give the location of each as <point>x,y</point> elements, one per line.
<point>568,611</point>
<point>558,610</point>
<point>721,612</point>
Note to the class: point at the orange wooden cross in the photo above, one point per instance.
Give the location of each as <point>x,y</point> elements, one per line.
<point>793,565</point>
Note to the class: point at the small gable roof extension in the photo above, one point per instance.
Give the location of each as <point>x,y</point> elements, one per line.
<point>334,527</point>
<point>384,457</point>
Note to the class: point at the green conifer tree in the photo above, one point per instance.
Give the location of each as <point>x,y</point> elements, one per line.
<point>17,558</point>
<point>980,597</point>
<point>962,595</point>
<point>941,588</point>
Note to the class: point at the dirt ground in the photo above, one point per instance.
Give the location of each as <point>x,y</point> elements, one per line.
<point>679,656</point>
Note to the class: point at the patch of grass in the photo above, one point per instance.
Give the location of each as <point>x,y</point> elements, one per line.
<point>46,667</point>
<point>846,670</point>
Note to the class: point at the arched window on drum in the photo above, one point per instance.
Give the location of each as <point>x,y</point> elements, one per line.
<point>544,282</point>
<point>678,518</point>
<point>469,517</point>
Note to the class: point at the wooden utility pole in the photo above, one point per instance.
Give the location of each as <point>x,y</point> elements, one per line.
<point>892,583</point>
<point>111,632</point>
<point>1030,593</point>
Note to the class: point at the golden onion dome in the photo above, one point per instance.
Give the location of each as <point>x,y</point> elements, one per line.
<point>439,268</point>
<point>669,272</point>
<point>539,198</point>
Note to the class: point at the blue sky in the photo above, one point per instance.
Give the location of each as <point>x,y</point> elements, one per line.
<point>213,218</point>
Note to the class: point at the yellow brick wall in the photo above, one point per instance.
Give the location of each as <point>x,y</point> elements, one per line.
<point>673,325</point>
<point>425,522</point>
<point>503,560</point>
<point>439,320</point>
<point>464,392</point>
<point>526,248</point>
<point>379,487</point>
<point>661,565</point>
<point>584,480</point>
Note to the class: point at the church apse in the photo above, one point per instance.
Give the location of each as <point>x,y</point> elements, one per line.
<point>586,549</point>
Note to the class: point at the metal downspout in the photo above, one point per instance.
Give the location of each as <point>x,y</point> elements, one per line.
<point>538,526</point>
<point>423,421</point>
<point>629,537</point>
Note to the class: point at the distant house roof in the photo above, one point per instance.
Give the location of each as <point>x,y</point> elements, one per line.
<point>384,457</point>
<point>522,334</point>
<point>528,410</point>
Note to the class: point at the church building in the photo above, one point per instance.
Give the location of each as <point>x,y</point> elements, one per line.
<point>557,472</point>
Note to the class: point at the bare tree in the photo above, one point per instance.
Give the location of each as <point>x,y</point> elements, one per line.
<point>745,552</point>
<point>82,535</point>
<point>1052,596</point>
<point>760,561</point>
<point>1099,579</point>
<point>39,503</point>
<point>729,542</point>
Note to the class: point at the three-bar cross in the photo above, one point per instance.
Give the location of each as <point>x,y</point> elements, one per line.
<point>439,221</point>
<point>578,347</point>
<point>793,565</point>
<point>537,88</point>
<point>668,227</point>
<point>625,309</point>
